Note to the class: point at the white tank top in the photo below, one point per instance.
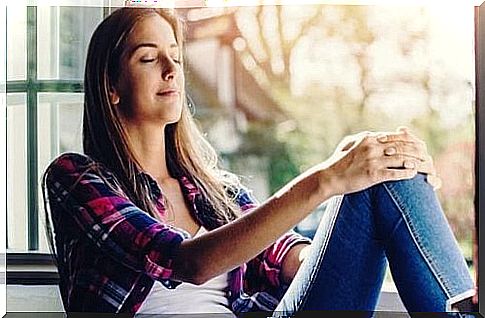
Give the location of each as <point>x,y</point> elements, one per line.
<point>189,298</point>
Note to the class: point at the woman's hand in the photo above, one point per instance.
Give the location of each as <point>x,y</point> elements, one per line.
<point>425,163</point>
<point>365,159</point>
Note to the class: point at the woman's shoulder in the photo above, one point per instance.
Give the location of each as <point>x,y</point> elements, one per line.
<point>74,163</point>
<point>73,168</point>
<point>72,156</point>
<point>70,161</point>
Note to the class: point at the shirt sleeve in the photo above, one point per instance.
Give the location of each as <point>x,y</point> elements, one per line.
<point>263,271</point>
<point>109,219</point>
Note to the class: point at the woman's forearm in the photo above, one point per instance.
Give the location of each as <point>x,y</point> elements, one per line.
<point>200,259</point>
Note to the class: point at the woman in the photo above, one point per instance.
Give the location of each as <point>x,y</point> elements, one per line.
<point>145,221</point>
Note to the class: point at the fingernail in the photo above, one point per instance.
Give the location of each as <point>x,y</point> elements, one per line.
<point>390,151</point>
<point>382,138</point>
<point>409,165</point>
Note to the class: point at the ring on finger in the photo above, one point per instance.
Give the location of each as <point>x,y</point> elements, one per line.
<point>390,151</point>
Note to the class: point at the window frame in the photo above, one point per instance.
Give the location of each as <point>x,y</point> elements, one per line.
<point>480,142</point>
<point>32,86</point>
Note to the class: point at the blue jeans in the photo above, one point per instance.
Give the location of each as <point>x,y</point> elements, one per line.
<point>400,223</point>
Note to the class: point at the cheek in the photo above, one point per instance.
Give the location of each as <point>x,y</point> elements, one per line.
<point>126,87</point>
<point>180,75</point>
<point>138,89</point>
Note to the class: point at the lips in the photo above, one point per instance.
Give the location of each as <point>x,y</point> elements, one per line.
<point>168,92</point>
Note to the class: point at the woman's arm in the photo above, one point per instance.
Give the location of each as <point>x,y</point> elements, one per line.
<point>223,249</point>
<point>366,163</point>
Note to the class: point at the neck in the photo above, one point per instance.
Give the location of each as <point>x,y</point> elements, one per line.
<point>148,142</point>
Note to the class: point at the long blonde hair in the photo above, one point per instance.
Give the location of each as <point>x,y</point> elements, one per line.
<point>188,153</point>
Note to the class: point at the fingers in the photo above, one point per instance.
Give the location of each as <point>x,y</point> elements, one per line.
<point>402,160</point>
<point>403,135</point>
<point>349,141</point>
<point>401,152</point>
<point>403,129</point>
<point>405,148</point>
<point>390,169</point>
<point>413,165</point>
<point>398,168</point>
<point>398,162</point>
<point>396,174</point>
<point>427,166</point>
<point>403,142</point>
<point>374,148</point>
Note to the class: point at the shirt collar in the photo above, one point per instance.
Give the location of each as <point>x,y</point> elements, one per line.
<point>188,187</point>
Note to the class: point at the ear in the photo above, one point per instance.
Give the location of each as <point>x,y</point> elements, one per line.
<point>114,98</point>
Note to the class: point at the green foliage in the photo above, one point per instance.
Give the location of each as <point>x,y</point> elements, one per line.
<point>260,140</point>
<point>282,168</point>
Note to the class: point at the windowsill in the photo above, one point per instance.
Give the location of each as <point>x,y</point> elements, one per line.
<point>31,268</point>
<point>28,258</point>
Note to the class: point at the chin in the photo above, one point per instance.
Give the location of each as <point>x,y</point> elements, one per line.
<point>172,119</point>
<point>171,122</point>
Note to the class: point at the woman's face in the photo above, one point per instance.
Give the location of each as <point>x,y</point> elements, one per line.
<point>151,82</point>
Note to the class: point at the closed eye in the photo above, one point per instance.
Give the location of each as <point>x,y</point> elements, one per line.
<point>149,60</point>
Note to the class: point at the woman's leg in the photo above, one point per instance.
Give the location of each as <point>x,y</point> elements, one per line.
<point>402,221</point>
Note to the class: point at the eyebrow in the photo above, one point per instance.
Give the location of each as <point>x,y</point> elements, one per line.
<point>152,45</point>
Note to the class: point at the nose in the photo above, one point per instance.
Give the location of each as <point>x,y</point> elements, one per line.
<point>169,70</point>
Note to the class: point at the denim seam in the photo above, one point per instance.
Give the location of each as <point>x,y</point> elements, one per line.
<point>394,229</point>
<point>421,249</point>
<point>316,269</point>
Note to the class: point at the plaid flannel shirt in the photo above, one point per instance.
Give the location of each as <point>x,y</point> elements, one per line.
<point>110,252</point>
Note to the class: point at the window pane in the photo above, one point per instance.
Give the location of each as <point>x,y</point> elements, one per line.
<point>60,119</point>
<point>16,172</point>
<point>16,42</point>
<point>63,37</point>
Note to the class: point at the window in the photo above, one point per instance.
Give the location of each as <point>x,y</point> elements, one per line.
<point>46,49</point>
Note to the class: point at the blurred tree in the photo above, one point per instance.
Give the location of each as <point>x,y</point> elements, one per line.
<point>337,70</point>
<point>269,42</point>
